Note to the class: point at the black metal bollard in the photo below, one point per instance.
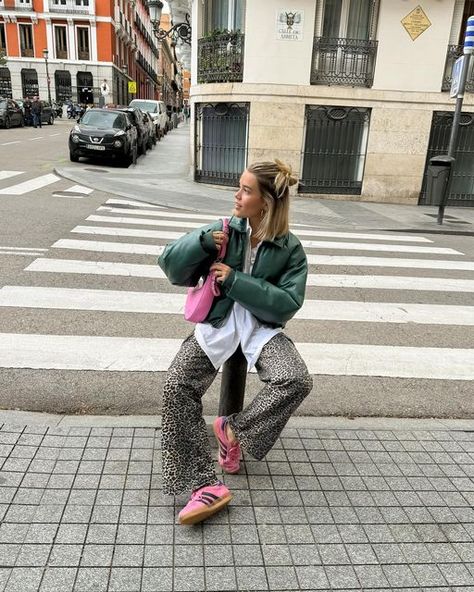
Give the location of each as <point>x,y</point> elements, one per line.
<point>234,376</point>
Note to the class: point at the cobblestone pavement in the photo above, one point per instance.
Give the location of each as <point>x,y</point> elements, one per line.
<point>337,505</point>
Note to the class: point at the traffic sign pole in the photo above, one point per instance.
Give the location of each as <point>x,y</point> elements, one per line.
<point>468,50</point>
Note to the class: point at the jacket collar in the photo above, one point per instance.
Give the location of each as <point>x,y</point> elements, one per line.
<point>240,224</point>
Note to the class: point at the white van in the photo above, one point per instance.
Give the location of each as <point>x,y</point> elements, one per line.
<point>157,109</point>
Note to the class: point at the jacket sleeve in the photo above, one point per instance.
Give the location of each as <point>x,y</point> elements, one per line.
<point>272,303</point>
<point>187,259</point>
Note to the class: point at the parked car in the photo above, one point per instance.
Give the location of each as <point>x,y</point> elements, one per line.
<point>157,110</point>
<point>105,133</point>
<point>148,119</point>
<point>11,113</point>
<point>136,115</point>
<point>47,115</point>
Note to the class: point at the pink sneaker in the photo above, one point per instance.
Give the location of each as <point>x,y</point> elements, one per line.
<point>229,452</point>
<point>205,502</point>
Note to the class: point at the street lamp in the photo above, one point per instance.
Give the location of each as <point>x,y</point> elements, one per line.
<point>180,31</point>
<point>45,55</point>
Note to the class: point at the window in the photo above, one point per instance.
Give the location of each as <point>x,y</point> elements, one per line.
<point>60,42</point>
<point>26,41</point>
<point>468,10</point>
<point>350,19</point>
<point>62,83</point>
<point>59,2</point>
<point>5,83</point>
<point>83,51</point>
<point>224,14</point>
<point>82,2</point>
<point>29,82</point>
<point>3,39</point>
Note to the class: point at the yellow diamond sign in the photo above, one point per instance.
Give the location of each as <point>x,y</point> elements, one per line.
<point>416,22</point>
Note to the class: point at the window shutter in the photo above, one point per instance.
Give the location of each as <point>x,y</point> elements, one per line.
<point>456,22</point>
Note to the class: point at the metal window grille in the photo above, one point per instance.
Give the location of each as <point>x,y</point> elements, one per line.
<point>5,83</point>
<point>221,137</point>
<point>221,58</point>
<point>63,84</point>
<point>29,82</point>
<point>334,149</point>
<point>454,52</point>
<point>462,185</point>
<point>85,91</point>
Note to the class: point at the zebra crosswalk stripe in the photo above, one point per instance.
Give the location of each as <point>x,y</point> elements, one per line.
<point>128,354</point>
<point>31,185</point>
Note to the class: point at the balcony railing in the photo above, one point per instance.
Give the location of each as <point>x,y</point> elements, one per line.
<point>15,5</point>
<point>343,61</point>
<point>69,6</point>
<point>221,58</point>
<point>454,52</point>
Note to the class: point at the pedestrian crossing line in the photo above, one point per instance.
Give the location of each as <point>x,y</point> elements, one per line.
<point>10,143</point>
<point>305,243</point>
<point>172,303</point>
<point>108,247</point>
<point>372,282</point>
<point>8,174</point>
<point>38,138</point>
<point>130,202</point>
<point>20,253</point>
<point>110,231</point>
<point>319,245</point>
<point>351,261</point>
<point>319,260</point>
<point>39,249</point>
<point>31,185</point>
<point>322,233</point>
<point>78,189</point>
<point>131,354</point>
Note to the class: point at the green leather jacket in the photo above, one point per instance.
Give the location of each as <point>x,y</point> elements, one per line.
<point>273,293</point>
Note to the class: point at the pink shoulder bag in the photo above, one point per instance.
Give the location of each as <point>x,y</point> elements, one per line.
<point>200,298</point>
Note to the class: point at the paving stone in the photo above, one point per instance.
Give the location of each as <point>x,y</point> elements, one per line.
<point>32,556</point>
<point>312,578</point>
<point>428,575</point>
<point>124,579</point>
<point>24,579</point>
<point>128,556</point>
<point>58,579</point>
<point>244,554</point>
<point>456,574</point>
<point>305,554</point>
<point>189,579</point>
<point>371,576</point>
<point>97,555</point>
<point>65,555</point>
<point>399,575</point>
<point>219,579</point>
<point>341,576</point>
<point>188,555</point>
<point>276,555</point>
<point>160,556</point>
<point>282,578</point>
<point>251,578</point>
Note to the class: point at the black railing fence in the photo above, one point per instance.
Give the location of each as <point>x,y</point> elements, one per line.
<point>221,58</point>
<point>454,52</point>
<point>343,61</point>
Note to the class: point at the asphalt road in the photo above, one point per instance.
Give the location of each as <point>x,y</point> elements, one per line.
<point>88,326</point>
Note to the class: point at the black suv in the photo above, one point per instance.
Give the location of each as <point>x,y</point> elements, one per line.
<point>104,133</point>
<point>137,117</point>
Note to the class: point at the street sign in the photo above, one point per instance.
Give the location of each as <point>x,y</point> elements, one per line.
<point>132,87</point>
<point>456,77</point>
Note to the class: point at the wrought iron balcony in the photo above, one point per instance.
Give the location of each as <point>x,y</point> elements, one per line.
<point>70,6</point>
<point>454,52</point>
<point>343,61</point>
<point>16,6</point>
<point>221,57</point>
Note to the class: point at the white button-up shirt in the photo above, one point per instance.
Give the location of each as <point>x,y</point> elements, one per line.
<point>240,327</point>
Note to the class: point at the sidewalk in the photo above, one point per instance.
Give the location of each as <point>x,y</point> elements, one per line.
<point>338,504</point>
<point>163,177</point>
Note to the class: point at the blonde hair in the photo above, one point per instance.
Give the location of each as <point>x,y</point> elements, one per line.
<point>274,181</point>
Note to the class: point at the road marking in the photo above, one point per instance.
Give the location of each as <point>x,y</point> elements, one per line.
<point>20,253</point>
<point>110,231</point>
<point>372,282</point>
<point>108,247</point>
<point>95,268</point>
<point>307,244</point>
<point>128,354</point>
<point>31,185</point>
<point>319,260</point>
<point>342,261</point>
<point>391,282</point>
<point>322,233</point>
<point>171,303</point>
<point>8,174</point>
<point>8,143</point>
<point>79,189</point>
<point>137,204</point>
<point>52,135</point>
<point>23,249</point>
<point>38,138</point>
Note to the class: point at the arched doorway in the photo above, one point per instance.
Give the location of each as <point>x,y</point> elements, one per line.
<point>85,90</point>
<point>29,82</point>
<point>62,82</point>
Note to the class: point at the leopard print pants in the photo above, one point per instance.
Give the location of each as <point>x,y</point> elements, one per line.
<point>187,461</point>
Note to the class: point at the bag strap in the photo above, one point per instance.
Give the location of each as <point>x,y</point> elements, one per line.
<point>223,249</point>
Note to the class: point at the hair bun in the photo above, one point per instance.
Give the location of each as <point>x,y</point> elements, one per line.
<point>285,176</point>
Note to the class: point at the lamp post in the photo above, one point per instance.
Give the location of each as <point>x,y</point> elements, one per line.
<point>45,55</point>
<point>179,31</point>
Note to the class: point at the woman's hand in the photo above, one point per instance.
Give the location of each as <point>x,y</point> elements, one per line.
<point>220,271</point>
<point>219,237</point>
